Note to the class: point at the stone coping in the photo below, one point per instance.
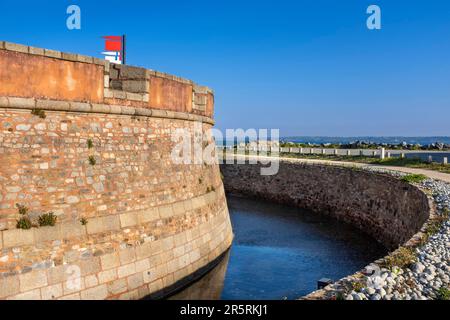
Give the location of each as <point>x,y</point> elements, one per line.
<point>9,46</point>
<point>63,231</point>
<point>57,105</point>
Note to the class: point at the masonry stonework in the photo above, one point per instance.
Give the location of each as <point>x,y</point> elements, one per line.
<point>388,209</point>
<point>131,223</point>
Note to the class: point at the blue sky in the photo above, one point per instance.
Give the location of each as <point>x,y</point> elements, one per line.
<point>305,67</point>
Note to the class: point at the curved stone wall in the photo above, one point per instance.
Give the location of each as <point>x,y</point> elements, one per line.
<point>91,142</point>
<point>389,210</point>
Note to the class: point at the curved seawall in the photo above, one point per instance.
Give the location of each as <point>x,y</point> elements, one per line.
<point>91,142</point>
<point>386,208</point>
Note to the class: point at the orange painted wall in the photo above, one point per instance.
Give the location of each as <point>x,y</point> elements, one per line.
<point>31,76</point>
<point>170,95</point>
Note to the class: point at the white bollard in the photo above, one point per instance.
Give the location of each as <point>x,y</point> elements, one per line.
<point>388,155</point>
<point>335,152</point>
<point>311,151</point>
<point>323,151</point>
<point>300,151</point>
<point>430,159</point>
<point>383,153</point>
<point>445,160</point>
<point>374,153</point>
<point>402,155</point>
<point>349,153</point>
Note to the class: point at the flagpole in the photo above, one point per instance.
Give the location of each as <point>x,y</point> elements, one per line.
<point>124,49</point>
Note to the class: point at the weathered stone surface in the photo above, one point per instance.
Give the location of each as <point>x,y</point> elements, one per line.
<point>382,206</point>
<point>109,230</point>
<point>96,293</point>
<point>16,47</point>
<point>9,286</point>
<point>33,280</point>
<point>17,238</point>
<point>52,53</point>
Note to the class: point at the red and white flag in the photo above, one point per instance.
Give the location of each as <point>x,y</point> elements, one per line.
<point>114,49</point>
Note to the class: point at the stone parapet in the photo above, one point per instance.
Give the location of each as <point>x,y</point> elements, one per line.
<point>30,72</point>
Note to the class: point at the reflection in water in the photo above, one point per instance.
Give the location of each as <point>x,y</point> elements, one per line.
<point>209,287</point>
<point>280,252</point>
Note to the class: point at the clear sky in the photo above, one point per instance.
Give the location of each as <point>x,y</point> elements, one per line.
<point>307,67</point>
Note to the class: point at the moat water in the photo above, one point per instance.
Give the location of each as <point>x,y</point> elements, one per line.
<point>280,252</point>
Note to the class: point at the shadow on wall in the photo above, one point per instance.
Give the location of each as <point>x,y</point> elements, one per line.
<point>208,287</point>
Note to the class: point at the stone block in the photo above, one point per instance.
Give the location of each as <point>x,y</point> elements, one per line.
<point>98,61</point>
<point>136,86</point>
<point>142,265</point>
<point>144,251</point>
<point>69,56</point>
<point>134,96</point>
<point>57,274</point>
<point>73,284</point>
<point>91,281</point>
<point>73,230</point>
<point>74,296</point>
<point>84,59</point>
<point>159,113</point>
<point>2,44</point>
<point>33,280</point>
<point>106,81</point>
<point>155,286</point>
<point>107,276</point>
<point>29,295</point>
<point>52,292</point>
<point>126,270</point>
<point>36,51</point>
<point>4,102</point>
<point>100,108</point>
<point>80,107</point>
<point>9,286</point>
<point>50,233</point>
<point>118,286</point>
<point>108,93</point>
<point>131,111</point>
<point>130,295</point>
<point>97,293</point>
<point>89,266</point>
<point>52,105</point>
<point>127,256</point>
<point>109,261</point>
<point>21,103</point>
<point>128,219</point>
<point>17,238</point>
<point>148,215</point>
<point>114,73</point>
<point>132,73</point>
<point>150,275</point>
<point>178,208</point>
<point>103,224</point>
<point>135,281</point>
<point>144,112</point>
<point>16,47</point>
<point>116,109</point>
<point>166,211</point>
<point>119,94</point>
<point>52,53</point>
<point>167,243</point>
